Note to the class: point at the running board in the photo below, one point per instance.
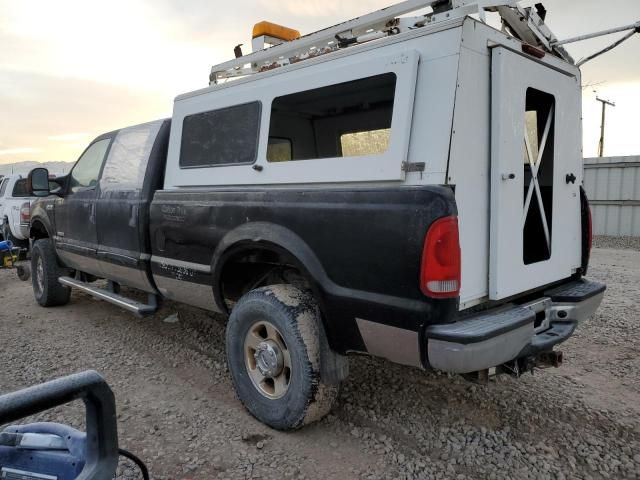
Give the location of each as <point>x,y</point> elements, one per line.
<point>123,302</point>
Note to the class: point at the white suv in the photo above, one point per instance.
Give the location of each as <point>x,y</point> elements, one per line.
<point>15,209</point>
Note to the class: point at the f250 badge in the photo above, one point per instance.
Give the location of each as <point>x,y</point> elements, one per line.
<point>174,213</point>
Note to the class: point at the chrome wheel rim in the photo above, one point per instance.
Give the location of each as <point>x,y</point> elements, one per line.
<point>267,360</point>
<point>40,275</point>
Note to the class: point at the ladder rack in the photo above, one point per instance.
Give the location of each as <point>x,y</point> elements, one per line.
<point>384,23</point>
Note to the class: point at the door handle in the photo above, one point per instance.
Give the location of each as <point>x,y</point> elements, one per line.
<point>571,178</point>
<point>133,218</point>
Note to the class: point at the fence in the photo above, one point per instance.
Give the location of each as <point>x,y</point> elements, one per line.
<point>613,188</point>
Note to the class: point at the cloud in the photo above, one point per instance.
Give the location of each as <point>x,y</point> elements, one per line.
<point>19,151</point>
<point>326,8</point>
<point>37,111</point>
<point>69,137</point>
<point>132,43</point>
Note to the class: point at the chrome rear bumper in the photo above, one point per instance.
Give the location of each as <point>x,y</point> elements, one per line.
<point>514,331</point>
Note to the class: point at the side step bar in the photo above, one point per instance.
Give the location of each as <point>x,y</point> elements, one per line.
<point>123,302</point>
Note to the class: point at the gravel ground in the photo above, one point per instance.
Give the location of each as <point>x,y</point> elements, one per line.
<point>603,241</point>
<point>178,412</point>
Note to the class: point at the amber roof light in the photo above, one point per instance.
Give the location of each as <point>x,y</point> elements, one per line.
<point>276,31</point>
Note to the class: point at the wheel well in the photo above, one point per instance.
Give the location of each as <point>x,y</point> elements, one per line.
<point>38,231</point>
<point>246,269</point>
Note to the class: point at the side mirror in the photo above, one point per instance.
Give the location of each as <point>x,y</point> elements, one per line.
<point>38,182</point>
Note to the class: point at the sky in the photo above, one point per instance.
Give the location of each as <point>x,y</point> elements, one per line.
<point>73,69</point>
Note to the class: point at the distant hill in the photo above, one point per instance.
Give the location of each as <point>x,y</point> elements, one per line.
<point>56,168</point>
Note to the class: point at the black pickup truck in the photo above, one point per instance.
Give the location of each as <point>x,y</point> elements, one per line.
<point>307,275</point>
<point>330,210</point>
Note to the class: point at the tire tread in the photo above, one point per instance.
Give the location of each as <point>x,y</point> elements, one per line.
<point>54,294</point>
<point>300,311</point>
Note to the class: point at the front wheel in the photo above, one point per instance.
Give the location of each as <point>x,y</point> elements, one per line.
<point>45,272</point>
<point>274,353</point>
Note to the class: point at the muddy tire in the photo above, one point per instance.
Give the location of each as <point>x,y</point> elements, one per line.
<point>274,346</point>
<point>45,272</point>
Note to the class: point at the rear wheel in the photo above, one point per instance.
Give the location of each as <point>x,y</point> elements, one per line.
<point>45,272</point>
<point>274,343</point>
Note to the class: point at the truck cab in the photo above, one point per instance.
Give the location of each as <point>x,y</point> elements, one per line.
<point>95,218</point>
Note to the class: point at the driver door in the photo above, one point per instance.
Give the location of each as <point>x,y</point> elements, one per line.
<point>75,213</point>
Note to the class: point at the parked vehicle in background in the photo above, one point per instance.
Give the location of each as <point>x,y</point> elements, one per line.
<point>365,197</point>
<point>15,210</point>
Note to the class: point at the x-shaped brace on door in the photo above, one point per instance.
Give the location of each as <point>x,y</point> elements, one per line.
<point>534,185</point>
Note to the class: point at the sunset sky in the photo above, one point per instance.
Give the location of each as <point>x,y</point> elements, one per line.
<point>72,69</point>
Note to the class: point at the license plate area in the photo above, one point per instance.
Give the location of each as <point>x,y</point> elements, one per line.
<point>542,309</point>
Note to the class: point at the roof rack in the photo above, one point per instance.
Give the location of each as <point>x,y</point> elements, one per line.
<point>524,23</point>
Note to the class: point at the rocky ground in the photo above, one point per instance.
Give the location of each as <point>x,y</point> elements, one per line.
<point>178,412</point>
<point>602,241</point>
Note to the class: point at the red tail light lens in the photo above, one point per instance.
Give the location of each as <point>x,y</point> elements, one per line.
<point>25,213</point>
<point>440,270</point>
<point>589,229</point>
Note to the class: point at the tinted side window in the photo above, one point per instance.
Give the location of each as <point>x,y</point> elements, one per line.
<point>87,170</point>
<point>128,157</point>
<point>20,188</point>
<point>228,136</point>
<point>348,119</point>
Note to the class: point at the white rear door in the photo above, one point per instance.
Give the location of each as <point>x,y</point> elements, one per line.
<point>535,174</point>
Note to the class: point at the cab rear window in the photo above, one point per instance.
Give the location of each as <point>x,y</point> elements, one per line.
<point>128,158</point>
<point>20,189</point>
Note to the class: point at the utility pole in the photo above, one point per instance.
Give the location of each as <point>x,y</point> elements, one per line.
<point>604,112</point>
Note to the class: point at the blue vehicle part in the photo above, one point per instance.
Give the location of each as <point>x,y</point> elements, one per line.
<point>6,246</point>
<point>46,448</point>
<point>96,454</point>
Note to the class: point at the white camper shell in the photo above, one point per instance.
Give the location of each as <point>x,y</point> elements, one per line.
<point>471,109</point>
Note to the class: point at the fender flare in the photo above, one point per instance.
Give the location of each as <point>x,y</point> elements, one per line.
<point>39,221</point>
<point>269,236</point>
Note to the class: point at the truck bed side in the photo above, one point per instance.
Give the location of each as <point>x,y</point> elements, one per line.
<point>359,248</point>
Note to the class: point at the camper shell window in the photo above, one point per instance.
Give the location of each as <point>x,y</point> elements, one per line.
<point>228,136</point>
<point>279,149</point>
<point>538,172</point>
<point>343,120</point>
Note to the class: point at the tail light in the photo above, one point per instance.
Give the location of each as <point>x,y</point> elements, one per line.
<point>440,269</point>
<point>25,213</point>
<point>587,230</point>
